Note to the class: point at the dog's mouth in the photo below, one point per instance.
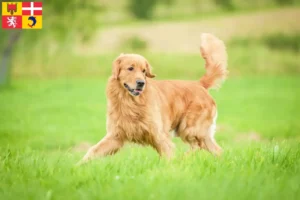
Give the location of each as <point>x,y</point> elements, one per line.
<point>135,92</point>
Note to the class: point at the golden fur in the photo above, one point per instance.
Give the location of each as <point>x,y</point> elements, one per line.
<point>148,116</point>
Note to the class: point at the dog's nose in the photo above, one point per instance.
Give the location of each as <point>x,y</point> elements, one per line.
<point>140,83</point>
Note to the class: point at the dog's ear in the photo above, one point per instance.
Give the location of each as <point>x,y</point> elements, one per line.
<point>116,67</point>
<point>149,70</point>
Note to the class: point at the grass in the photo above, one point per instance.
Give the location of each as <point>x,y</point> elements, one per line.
<point>246,57</point>
<point>42,120</point>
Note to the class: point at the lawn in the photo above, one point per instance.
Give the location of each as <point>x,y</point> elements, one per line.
<point>41,121</point>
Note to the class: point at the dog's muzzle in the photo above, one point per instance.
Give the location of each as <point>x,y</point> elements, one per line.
<point>138,90</point>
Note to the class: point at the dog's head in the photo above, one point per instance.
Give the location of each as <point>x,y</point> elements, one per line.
<point>132,70</point>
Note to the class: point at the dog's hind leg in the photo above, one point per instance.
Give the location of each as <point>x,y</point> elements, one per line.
<point>164,146</point>
<point>209,143</point>
<point>198,130</point>
<point>107,146</point>
<point>206,142</point>
<point>193,142</point>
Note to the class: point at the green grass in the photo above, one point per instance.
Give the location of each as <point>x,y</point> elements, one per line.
<point>246,57</point>
<point>41,121</point>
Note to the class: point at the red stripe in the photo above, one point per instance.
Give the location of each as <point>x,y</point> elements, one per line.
<point>25,12</point>
<point>38,4</point>
<point>25,4</point>
<point>38,12</point>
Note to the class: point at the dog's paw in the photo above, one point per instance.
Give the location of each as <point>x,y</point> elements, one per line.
<point>81,163</point>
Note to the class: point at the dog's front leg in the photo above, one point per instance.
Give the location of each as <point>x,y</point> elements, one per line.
<point>107,146</point>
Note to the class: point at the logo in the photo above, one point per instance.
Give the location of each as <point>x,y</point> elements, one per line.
<point>11,8</point>
<point>22,15</point>
<point>33,19</point>
<point>32,8</point>
<point>12,21</point>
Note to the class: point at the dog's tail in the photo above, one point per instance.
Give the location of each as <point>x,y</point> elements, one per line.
<point>214,53</point>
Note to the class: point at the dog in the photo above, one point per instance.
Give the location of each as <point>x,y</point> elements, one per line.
<point>144,111</point>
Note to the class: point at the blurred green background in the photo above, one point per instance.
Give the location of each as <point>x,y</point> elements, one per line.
<point>53,104</point>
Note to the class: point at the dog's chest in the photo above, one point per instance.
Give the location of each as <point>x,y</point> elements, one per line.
<point>134,125</point>
<point>138,130</point>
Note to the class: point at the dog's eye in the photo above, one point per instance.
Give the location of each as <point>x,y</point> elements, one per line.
<point>130,68</point>
<point>144,71</point>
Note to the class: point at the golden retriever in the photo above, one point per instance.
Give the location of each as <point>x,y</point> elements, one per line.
<point>144,111</point>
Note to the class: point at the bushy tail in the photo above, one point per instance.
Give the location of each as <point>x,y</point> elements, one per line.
<point>214,53</point>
